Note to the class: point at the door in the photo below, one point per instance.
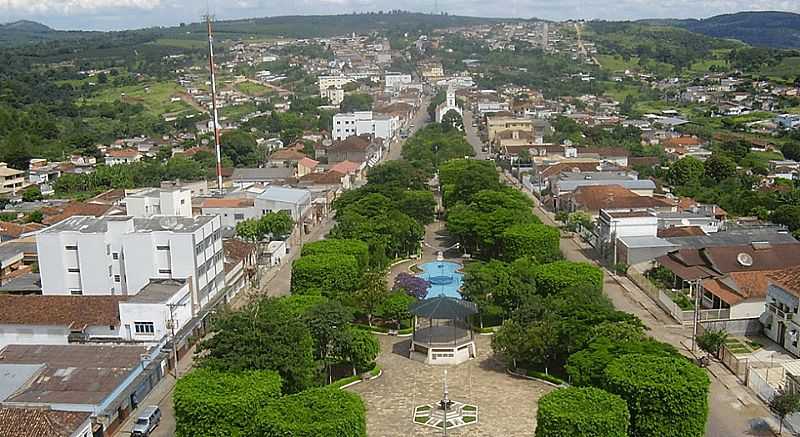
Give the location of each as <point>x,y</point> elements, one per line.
<point>781,333</point>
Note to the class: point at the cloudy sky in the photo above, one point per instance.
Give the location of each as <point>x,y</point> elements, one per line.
<point>127,14</point>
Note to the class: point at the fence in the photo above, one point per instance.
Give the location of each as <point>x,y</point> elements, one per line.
<point>669,306</point>
<point>759,381</point>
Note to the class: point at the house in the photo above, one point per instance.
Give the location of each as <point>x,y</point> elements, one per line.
<point>159,201</point>
<point>45,320</point>
<point>103,381</point>
<point>788,121</point>
<point>55,214</point>
<point>163,306</point>
<point>671,219</point>
<point>42,172</point>
<point>110,256</point>
<point>567,182</point>
<point>593,198</point>
<point>731,277</point>
<point>331,178</point>
<point>502,121</point>
<point>285,157</point>
<point>276,251</point>
<point>241,262</point>
<point>356,149</point>
<point>780,317</point>
<point>274,199</point>
<point>122,156</point>
<point>12,231</point>
<point>44,422</point>
<point>267,175</point>
<point>306,166</point>
<point>196,188</point>
<point>231,211</point>
<point>614,155</point>
<point>11,180</point>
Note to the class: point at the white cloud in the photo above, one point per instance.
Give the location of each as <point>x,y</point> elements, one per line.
<point>74,7</point>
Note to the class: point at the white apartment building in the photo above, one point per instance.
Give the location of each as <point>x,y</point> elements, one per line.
<point>158,308</point>
<point>348,124</point>
<point>121,255</point>
<point>156,201</point>
<point>11,180</point>
<point>331,87</point>
<point>396,81</point>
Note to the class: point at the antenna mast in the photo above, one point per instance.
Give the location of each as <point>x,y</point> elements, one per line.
<point>214,115</point>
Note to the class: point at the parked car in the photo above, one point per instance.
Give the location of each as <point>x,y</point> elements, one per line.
<point>147,421</point>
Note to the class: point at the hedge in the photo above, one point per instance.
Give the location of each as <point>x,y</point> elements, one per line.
<point>582,412</point>
<point>210,403</point>
<point>356,248</point>
<point>557,276</point>
<point>317,412</point>
<point>539,241</point>
<point>667,397</point>
<point>326,274</point>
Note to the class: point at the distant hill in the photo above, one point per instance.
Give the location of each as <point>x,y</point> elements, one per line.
<point>25,32</point>
<point>763,29</point>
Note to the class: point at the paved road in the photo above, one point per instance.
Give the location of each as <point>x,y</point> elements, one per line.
<point>419,121</point>
<point>473,136</point>
<point>733,411</point>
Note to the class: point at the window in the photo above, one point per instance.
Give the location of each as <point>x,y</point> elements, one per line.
<point>183,201</point>
<point>116,278</point>
<point>71,247</point>
<point>73,270</point>
<point>115,255</point>
<point>109,271</point>
<point>162,247</point>
<point>144,328</point>
<point>238,216</point>
<point>164,271</point>
<point>76,292</point>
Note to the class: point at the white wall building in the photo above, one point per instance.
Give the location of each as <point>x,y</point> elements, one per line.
<point>331,87</point>
<point>348,124</point>
<point>231,211</point>
<point>121,255</point>
<point>275,199</point>
<point>158,308</point>
<point>147,203</point>
<point>396,81</point>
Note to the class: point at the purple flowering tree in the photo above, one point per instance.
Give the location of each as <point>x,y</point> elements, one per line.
<point>413,285</point>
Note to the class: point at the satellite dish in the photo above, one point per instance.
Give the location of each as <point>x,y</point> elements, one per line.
<point>744,259</point>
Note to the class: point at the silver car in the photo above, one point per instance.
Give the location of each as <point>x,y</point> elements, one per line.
<point>147,421</point>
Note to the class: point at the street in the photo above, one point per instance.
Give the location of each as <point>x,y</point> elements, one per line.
<point>275,282</point>
<point>733,409</point>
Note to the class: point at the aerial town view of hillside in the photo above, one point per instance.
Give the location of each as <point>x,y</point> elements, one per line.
<point>344,219</point>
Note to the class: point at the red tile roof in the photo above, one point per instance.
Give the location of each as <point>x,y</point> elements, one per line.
<point>308,163</point>
<point>681,141</point>
<point>680,231</point>
<point>351,144</point>
<point>346,167</point>
<point>122,153</point>
<point>286,155</point>
<point>788,279</point>
<point>327,178</point>
<point>75,311</point>
<point>39,422</point>
<point>597,197</point>
<point>54,214</point>
<point>236,250</point>
<point>15,230</point>
<point>556,169</point>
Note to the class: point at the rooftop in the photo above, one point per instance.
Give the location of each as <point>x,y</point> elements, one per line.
<point>73,311</point>
<point>228,203</point>
<point>643,242</point>
<point>788,279</point>
<point>90,225</point>
<point>157,291</point>
<point>287,195</point>
<point>40,422</point>
<point>733,237</point>
<point>262,174</point>
<point>73,374</point>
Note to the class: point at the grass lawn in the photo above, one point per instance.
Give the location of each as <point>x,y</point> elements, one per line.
<point>155,96</point>
<point>741,345</point>
<point>182,43</point>
<point>652,106</point>
<point>615,63</point>
<point>252,89</point>
<point>618,90</point>
<point>238,111</point>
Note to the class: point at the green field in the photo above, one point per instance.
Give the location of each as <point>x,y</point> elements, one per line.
<point>788,69</point>
<point>181,43</point>
<point>155,96</point>
<point>238,111</point>
<point>252,89</point>
<point>615,63</point>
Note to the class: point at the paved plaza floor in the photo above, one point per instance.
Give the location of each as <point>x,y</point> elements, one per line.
<point>506,405</point>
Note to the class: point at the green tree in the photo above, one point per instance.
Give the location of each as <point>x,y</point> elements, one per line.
<point>719,167</point>
<point>398,173</point>
<point>535,240</point>
<point>326,321</point>
<point>784,403</point>
<point>261,336</point>
<point>557,276</point>
<point>319,412</point>
<point>360,348</point>
<point>356,102</point>
<point>395,308</point>
<point>711,341</point>
<point>326,274</point>
<point>453,120</point>
<point>32,194</point>
<point>685,171</point>
<point>587,366</point>
<point>330,246</point>
<point>219,404</point>
<point>277,224</point>
<point>667,396</point>
<point>241,148</point>
<point>34,217</point>
<point>582,412</point>
<point>372,293</point>
<point>249,230</point>
<point>419,205</point>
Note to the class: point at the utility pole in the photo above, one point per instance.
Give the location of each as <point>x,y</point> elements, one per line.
<point>697,286</point>
<point>172,307</point>
<point>214,115</point>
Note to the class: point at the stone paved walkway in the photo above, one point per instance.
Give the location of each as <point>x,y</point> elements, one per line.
<point>506,405</point>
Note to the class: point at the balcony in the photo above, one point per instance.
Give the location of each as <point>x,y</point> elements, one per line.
<point>778,312</point>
